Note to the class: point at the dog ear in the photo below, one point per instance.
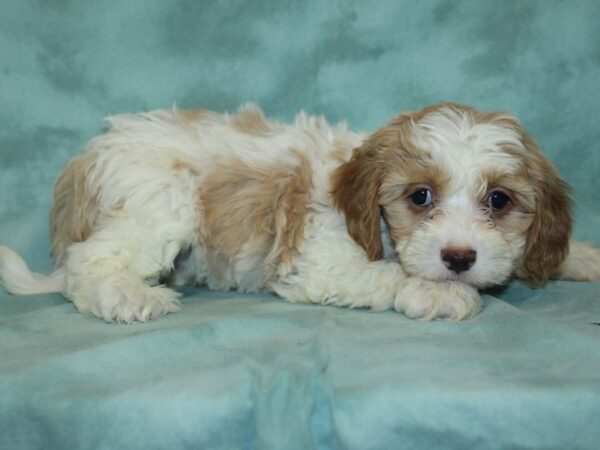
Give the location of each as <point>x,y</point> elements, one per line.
<point>356,186</point>
<point>548,238</point>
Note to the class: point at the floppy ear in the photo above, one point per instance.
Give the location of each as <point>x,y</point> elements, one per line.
<point>356,193</point>
<point>548,239</point>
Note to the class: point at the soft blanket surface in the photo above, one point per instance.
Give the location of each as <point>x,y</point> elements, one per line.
<point>251,371</point>
<point>242,371</point>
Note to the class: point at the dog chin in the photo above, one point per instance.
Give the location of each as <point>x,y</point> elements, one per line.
<point>464,278</point>
<point>469,279</point>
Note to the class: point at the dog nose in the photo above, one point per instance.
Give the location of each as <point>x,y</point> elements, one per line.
<point>458,259</point>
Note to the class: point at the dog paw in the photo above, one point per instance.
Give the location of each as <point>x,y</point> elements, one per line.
<point>121,299</point>
<point>139,305</point>
<point>429,300</point>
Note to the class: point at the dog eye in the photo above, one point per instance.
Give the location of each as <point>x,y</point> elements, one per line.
<point>498,200</point>
<point>421,198</point>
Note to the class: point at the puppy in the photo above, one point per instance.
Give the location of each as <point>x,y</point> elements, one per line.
<point>415,217</point>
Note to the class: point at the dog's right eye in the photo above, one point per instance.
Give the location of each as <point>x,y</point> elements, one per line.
<point>498,201</point>
<point>421,198</point>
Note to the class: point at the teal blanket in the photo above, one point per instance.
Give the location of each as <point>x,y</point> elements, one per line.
<point>250,371</point>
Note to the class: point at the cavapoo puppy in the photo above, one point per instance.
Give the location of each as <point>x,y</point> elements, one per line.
<point>416,216</point>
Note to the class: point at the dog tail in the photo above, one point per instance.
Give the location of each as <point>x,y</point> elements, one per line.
<point>18,279</point>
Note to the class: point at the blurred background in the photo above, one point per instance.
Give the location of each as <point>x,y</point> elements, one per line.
<point>65,65</point>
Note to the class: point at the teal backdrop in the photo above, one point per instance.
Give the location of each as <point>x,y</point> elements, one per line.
<point>235,371</point>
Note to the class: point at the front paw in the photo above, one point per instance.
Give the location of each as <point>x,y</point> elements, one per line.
<point>429,300</point>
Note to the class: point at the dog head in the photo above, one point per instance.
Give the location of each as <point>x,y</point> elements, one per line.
<point>466,196</point>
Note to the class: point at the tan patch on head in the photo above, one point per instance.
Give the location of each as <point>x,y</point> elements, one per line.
<point>261,208</point>
<point>75,208</point>
<point>251,120</point>
<point>500,118</point>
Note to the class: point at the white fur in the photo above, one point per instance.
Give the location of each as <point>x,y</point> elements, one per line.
<point>18,279</point>
<point>160,223</point>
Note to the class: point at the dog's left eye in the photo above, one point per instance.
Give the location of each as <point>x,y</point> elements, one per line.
<point>421,198</point>
<point>498,200</point>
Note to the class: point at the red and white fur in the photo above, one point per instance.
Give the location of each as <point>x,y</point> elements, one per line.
<point>415,217</point>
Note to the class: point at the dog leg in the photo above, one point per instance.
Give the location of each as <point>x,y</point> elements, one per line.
<point>582,263</point>
<point>106,275</point>
<point>333,270</point>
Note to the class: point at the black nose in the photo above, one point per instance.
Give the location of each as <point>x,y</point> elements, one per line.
<point>458,259</point>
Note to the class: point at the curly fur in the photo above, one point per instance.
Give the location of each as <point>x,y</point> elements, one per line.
<point>312,212</point>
